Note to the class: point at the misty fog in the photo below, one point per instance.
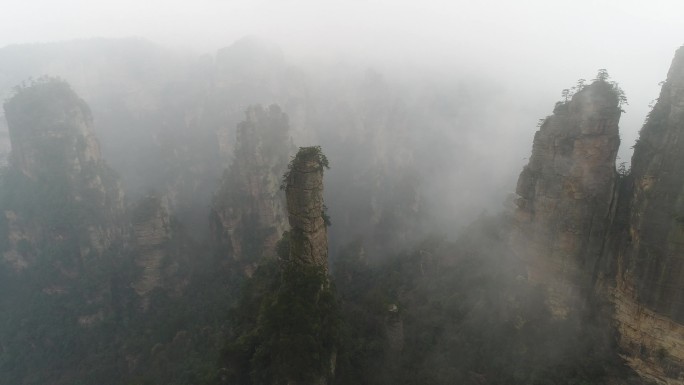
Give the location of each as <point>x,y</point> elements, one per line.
<point>534,48</point>
<point>144,235</point>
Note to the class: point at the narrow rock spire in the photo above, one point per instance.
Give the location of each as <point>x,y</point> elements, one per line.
<point>306,211</point>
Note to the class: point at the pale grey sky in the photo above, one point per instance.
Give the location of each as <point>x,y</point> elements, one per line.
<point>537,45</point>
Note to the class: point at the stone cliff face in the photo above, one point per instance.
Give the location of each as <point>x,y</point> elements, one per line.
<point>287,327</point>
<point>309,242</point>
<point>649,262</point>
<point>50,115</point>
<point>5,145</point>
<point>152,231</point>
<point>248,214</point>
<point>59,190</point>
<point>306,211</point>
<point>586,232</point>
<point>565,195</point>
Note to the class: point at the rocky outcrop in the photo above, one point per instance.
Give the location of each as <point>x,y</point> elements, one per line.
<point>288,324</point>
<point>152,231</point>
<point>58,189</point>
<point>248,214</point>
<point>586,231</point>
<point>566,195</point>
<point>5,145</point>
<point>306,211</point>
<point>48,119</point>
<point>307,259</point>
<point>649,262</point>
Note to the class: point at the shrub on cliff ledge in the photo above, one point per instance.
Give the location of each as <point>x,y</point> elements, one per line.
<point>306,153</point>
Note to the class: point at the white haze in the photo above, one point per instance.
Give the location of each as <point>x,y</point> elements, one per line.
<point>534,49</point>
<point>499,66</point>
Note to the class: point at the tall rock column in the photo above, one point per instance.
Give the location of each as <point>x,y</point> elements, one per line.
<point>566,193</point>
<point>62,220</point>
<point>58,189</point>
<point>649,293</point>
<point>290,337</point>
<point>304,192</point>
<point>305,283</point>
<point>248,213</point>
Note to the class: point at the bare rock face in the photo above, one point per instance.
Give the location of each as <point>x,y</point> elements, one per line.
<point>59,190</point>
<point>152,231</point>
<point>5,145</point>
<point>565,195</point>
<point>46,116</point>
<point>306,211</point>
<point>248,214</point>
<point>291,336</point>
<point>649,284</point>
<point>308,254</point>
<point>585,231</point>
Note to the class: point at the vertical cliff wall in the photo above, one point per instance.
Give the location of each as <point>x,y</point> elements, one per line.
<point>63,236</point>
<point>50,116</point>
<point>649,261</point>
<point>152,232</point>
<point>583,230</point>
<point>58,190</point>
<point>565,195</point>
<point>248,214</point>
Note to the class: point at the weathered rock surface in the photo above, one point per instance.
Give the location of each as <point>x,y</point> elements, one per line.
<point>304,192</point>
<point>59,190</point>
<point>5,145</point>
<point>649,284</point>
<point>308,234</point>
<point>248,214</point>
<point>152,231</point>
<point>565,195</point>
<point>44,116</point>
<point>584,231</point>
